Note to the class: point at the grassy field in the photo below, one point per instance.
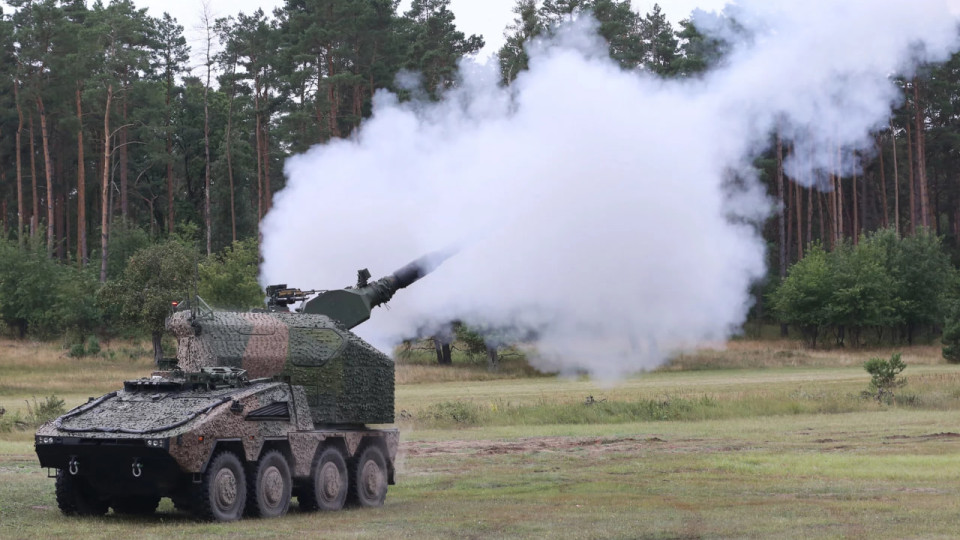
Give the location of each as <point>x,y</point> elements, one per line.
<point>750,441</point>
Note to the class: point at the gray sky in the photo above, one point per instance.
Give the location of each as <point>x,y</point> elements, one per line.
<point>488,18</point>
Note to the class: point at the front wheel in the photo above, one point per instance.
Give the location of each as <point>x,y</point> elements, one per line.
<point>222,493</point>
<point>76,497</point>
<point>369,485</point>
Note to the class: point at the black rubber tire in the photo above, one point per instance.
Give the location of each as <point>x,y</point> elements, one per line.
<point>329,482</point>
<point>76,497</point>
<point>136,505</point>
<point>222,492</point>
<point>269,486</point>
<point>368,485</point>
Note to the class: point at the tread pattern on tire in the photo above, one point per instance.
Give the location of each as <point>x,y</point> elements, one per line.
<point>255,506</point>
<point>76,498</point>
<point>201,504</point>
<point>356,495</point>
<point>308,498</point>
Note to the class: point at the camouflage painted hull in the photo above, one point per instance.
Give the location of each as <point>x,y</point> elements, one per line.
<point>157,434</point>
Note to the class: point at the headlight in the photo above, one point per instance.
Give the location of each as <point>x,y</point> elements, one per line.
<point>45,440</point>
<point>156,443</point>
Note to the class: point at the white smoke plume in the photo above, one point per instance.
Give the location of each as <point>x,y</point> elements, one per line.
<point>592,204</point>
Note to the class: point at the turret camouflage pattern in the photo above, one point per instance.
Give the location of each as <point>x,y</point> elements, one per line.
<point>346,380</point>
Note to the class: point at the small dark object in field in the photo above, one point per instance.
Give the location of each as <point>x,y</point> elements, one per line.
<point>591,400</point>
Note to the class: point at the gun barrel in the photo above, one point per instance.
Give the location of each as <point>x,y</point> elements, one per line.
<point>352,306</point>
<point>417,269</point>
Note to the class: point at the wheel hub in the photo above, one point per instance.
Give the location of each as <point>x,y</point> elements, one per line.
<point>330,481</point>
<point>371,478</point>
<point>226,488</point>
<point>272,486</point>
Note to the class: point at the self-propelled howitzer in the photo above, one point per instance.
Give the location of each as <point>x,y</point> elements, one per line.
<point>257,408</point>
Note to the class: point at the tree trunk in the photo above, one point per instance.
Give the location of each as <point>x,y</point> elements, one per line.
<point>798,196</point>
<point>443,351</point>
<point>81,188</point>
<point>781,222</point>
<point>883,187</point>
<point>122,148</point>
<point>256,108</point>
<point>35,215</point>
<point>233,205</point>
<point>913,201</point>
<point>265,126</point>
<point>896,181</point>
<point>855,230</point>
<point>105,188</point>
<point>170,224</point>
<point>206,149</point>
<point>840,229</point>
<point>48,170</point>
<point>810,214</point>
<point>493,359</point>
<point>20,208</point>
<point>157,347</point>
<point>921,157</point>
<point>823,229</point>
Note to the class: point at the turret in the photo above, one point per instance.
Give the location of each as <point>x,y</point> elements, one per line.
<point>352,305</point>
<point>345,380</point>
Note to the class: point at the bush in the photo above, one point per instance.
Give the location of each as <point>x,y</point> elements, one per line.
<point>951,336</point>
<point>229,279</point>
<point>43,297</point>
<point>882,282</point>
<point>885,377</point>
<point>93,345</point>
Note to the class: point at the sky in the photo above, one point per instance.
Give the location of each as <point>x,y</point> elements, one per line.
<point>488,18</point>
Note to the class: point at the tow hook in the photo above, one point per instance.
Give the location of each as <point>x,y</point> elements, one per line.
<point>137,468</point>
<point>74,466</point>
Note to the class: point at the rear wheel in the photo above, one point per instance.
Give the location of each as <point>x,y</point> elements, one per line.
<point>222,492</point>
<point>328,486</point>
<point>269,486</point>
<point>76,497</point>
<point>369,478</point>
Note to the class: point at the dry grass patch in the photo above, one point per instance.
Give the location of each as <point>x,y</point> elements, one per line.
<point>30,369</point>
<point>743,354</point>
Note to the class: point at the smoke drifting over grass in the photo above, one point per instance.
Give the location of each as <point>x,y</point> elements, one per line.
<point>593,205</point>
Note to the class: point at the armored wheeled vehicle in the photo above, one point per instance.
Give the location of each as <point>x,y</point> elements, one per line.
<point>256,408</point>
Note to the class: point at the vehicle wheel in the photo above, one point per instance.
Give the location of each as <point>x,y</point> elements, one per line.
<point>142,505</point>
<point>328,486</point>
<point>369,478</point>
<point>222,492</point>
<point>76,497</point>
<point>269,486</point>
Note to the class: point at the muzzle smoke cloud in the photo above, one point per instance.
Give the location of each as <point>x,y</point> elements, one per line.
<point>595,205</point>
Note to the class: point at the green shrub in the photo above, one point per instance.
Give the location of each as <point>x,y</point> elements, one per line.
<point>951,335</point>
<point>77,350</point>
<point>882,282</point>
<point>885,377</point>
<point>93,345</point>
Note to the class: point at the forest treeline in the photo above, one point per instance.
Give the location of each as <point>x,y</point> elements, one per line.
<point>115,135</point>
